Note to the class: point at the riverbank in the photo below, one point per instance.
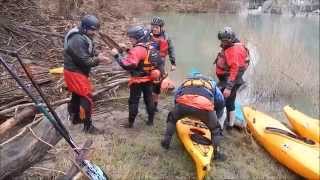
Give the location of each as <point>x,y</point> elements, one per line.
<point>135,153</point>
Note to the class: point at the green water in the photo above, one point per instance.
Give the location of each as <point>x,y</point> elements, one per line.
<point>196,43</point>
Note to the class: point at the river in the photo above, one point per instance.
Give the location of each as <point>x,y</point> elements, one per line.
<point>196,43</point>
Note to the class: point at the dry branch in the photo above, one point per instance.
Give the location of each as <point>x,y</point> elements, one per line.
<point>41,32</point>
<point>25,115</point>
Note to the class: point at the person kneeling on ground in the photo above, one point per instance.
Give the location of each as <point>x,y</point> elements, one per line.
<point>197,97</point>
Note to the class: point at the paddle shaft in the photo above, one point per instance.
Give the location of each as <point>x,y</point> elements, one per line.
<point>110,42</point>
<point>60,129</point>
<point>35,85</point>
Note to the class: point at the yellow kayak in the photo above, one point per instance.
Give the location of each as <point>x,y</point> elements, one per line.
<point>298,154</point>
<point>196,138</point>
<point>58,70</point>
<point>304,125</point>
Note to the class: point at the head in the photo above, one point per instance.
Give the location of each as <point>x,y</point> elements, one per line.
<point>157,25</point>
<point>138,34</point>
<point>227,37</point>
<point>89,25</point>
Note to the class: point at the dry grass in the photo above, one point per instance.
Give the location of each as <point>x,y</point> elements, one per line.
<point>136,153</point>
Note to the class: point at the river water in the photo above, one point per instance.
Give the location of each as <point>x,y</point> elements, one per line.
<point>196,43</point>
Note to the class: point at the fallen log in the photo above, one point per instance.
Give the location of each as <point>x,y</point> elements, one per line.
<point>26,114</point>
<point>27,147</point>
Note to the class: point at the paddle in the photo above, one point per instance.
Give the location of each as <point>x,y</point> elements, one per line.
<point>91,170</point>
<point>111,43</point>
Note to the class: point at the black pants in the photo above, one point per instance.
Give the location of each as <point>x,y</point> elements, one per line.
<point>135,94</point>
<point>81,108</point>
<point>208,117</point>
<point>156,89</point>
<point>230,101</point>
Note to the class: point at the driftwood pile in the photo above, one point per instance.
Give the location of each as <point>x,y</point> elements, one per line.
<point>39,42</point>
<point>40,46</point>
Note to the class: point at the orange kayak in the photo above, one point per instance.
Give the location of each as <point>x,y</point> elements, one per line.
<point>304,125</point>
<point>298,154</point>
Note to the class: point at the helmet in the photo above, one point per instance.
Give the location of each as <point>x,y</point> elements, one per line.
<point>155,74</point>
<point>227,34</point>
<point>157,21</point>
<point>137,32</point>
<point>90,22</point>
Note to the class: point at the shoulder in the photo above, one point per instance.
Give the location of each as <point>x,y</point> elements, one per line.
<point>138,50</point>
<point>77,38</point>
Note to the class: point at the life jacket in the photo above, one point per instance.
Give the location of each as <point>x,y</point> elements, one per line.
<point>222,68</point>
<point>151,61</point>
<point>74,31</point>
<point>197,86</point>
<point>71,58</point>
<point>161,43</point>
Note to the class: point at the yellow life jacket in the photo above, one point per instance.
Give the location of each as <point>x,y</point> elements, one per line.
<point>199,83</point>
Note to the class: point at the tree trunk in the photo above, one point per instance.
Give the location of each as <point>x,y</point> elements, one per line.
<point>23,150</point>
<point>26,114</point>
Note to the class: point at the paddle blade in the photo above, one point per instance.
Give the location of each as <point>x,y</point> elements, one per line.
<point>93,171</point>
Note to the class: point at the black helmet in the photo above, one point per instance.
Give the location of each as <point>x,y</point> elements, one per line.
<point>157,21</point>
<point>90,22</point>
<point>227,34</point>
<point>138,32</point>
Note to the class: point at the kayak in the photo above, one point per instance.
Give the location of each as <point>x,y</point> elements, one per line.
<point>298,154</point>
<point>58,70</point>
<point>304,125</point>
<point>196,138</point>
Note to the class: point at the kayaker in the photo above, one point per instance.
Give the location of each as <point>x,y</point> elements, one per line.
<point>79,57</point>
<point>143,63</point>
<point>230,65</point>
<point>198,97</point>
<point>161,41</point>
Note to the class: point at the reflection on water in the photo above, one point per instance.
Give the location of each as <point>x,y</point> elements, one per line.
<point>195,36</point>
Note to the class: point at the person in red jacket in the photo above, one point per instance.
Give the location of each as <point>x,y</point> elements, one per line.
<point>231,63</point>
<point>140,61</point>
<point>163,43</point>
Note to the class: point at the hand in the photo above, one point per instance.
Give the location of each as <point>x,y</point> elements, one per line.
<point>114,51</point>
<point>173,67</point>
<point>102,57</point>
<point>123,46</point>
<point>226,93</point>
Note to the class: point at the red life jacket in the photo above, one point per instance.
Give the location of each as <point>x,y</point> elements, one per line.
<point>163,45</point>
<point>142,73</point>
<point>232,60</point>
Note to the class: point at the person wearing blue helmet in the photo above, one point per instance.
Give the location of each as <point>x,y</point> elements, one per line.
<point>198,97</point>
<point>79,57</point>
<point>143,63</point>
